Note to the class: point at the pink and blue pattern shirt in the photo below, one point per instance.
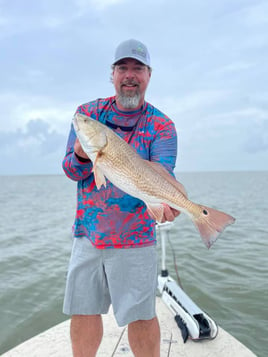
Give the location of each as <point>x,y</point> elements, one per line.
<point>108,217</point>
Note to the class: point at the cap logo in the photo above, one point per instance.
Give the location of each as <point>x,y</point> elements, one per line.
<point>139,51</point>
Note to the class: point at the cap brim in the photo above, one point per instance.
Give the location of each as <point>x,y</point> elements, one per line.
<point>133,57</point>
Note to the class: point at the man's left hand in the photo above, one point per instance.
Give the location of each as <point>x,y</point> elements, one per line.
<point>169,213</point>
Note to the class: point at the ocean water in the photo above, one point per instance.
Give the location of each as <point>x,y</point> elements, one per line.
<point>229,281</point>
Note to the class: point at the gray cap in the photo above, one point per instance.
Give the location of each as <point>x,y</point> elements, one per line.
<point>132,49</point>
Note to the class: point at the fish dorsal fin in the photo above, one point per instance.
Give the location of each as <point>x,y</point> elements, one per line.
<point>98,174</point>
<point>164,172</point>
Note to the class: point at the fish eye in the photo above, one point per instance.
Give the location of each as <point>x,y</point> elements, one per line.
<point>205,212</point>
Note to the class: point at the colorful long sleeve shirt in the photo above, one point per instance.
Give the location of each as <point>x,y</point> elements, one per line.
<point>109,217</point>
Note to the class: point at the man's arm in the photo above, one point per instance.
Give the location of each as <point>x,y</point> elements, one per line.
<point>76,164</point>
<point>164,150</point>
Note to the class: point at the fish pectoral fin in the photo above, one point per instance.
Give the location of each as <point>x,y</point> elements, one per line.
<point>98,174</point>
<point>156,212</point>
<point>99,178</point>
<point>164,173</point>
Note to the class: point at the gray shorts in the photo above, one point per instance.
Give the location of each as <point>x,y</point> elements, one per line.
<point>127,278</point>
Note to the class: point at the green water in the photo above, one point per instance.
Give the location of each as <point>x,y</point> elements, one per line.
<point>229,281</point>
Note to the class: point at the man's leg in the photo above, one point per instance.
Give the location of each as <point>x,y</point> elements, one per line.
<point>144,338</point>
<point>86,334</point>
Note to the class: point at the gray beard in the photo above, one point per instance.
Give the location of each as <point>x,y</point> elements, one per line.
<point>129,102</point>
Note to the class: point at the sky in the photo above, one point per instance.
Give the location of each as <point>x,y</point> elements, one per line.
<point>209,61</point>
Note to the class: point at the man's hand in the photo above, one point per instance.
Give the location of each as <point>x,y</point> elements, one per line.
<point>78,150</point>
<point>169,213</point>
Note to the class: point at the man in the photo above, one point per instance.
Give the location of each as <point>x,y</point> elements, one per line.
<point>114,256</point>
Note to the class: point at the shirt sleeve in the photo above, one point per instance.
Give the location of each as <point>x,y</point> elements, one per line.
<point>74,168</point>
<point>164,146</point>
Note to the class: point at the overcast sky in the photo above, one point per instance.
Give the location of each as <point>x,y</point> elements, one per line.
<point>209,62</point>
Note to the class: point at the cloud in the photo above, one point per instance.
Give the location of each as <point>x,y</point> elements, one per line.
<point>37,134</point>
<point>34,149</point>
<point>233,68</point>
<point>209,74</point>
<point>195,101</point>
<point>18,109</point>
<point>85,5</point>
<point>257,135</point>
<point>256,14</point>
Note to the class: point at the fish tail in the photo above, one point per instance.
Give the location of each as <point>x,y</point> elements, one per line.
<point>211,223</point>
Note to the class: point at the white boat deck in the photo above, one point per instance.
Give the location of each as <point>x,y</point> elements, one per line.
<point>56,341</point>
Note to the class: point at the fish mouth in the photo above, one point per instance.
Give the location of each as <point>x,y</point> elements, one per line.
<point>75,123</point>
<point>79,119</point>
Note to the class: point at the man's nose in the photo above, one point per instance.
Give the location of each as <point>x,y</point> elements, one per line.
<point>130,73</point>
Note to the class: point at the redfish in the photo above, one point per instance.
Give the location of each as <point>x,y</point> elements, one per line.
<point>114,159</point>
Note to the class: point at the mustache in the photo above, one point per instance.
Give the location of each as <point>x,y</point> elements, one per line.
<point>131,83</point>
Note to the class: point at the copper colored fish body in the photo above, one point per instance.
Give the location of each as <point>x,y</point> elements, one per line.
<point>117,161</point>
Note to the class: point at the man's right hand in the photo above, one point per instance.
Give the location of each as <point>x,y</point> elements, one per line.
<point>78,150</point>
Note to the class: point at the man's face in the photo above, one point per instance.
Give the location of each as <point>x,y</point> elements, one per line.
<point>130,78</point>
